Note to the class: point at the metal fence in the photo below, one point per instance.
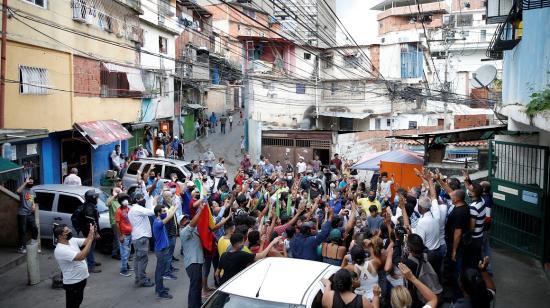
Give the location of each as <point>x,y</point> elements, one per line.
<point>519,182</point>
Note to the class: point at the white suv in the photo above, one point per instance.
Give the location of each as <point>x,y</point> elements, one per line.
<point>162,166</point>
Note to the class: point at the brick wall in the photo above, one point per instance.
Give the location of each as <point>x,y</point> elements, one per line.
<point>87,76</point>
<point>375,58</point>
<point>473,120</point>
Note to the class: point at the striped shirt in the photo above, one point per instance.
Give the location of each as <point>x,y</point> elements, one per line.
<point>477,212</point>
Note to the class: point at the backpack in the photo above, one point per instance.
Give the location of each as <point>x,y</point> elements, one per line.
<point>76,218</point>
<point>426,274</point>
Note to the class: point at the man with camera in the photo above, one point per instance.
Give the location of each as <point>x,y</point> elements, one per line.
<point>71,260</point>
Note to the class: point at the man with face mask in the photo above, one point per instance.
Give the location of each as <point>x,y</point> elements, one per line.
<point>366,203</point>
<point>164,216</point>
<point>25,214</point>
<point>71,262</point>
<point>138,215</point>
<point>304,245</point>
<point>91,216</point>
<point>124,231</point>
<point>171,200</point>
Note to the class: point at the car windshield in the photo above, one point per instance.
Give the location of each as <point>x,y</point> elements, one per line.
<point>226,300</point>
<point>101,207</point>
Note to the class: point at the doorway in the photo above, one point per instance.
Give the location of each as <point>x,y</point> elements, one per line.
<point>76,153</point>
<point>324,155</point>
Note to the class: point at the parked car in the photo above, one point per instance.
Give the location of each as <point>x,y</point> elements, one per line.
<point>162,166</point>
<point>57,203</point>
<point>274,283</point>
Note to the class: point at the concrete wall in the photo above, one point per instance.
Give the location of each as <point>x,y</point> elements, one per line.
<point>216,99</point>
<point>527,66</point>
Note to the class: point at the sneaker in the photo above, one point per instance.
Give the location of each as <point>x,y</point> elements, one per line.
<point>130,268</point>
<point>125,274</point>
<point>94,270</point>
<point>164,295</point>
<point>147,284</point>
<point>22,250</point>
<point>166,289</point>
<point>169,277</point>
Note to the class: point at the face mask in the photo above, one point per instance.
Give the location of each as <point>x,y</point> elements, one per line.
<point>371,198</point>
<point>124,202</point>
<point>173,190</point>
<point>69,235</point>
<point>163,215</point>
<point>29,185</point>
<point>152,177</point>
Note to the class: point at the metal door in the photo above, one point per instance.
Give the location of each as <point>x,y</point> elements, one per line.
<point>519,181</point>
<point>46,201</point>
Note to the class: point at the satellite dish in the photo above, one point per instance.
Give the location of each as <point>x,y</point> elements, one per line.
<point>483,76</point>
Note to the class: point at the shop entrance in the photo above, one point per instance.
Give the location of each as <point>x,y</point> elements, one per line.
<point>76,153</point>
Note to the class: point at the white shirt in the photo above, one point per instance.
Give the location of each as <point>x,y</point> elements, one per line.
<point>72,179</point>
<point>159,152</point>
<point>219,170</point>
<point>73,271</point>
<point>301,166</point>
<point>385,189</point>
<point>428,229</point>
<point>440,213</point>
<point>138,217</point>
<point>230,118</point>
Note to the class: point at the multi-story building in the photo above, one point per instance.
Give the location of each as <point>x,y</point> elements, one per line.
<point>157,58</point>
<point>519,161</point>
<point>73,69</point>
<point>310,22</point>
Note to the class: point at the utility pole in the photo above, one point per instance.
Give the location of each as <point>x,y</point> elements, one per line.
<point>3,61</point>
<point>317,69</point>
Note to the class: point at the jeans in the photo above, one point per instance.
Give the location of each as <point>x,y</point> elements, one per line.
<point>171,248</point>
<point>90,258</point>
<point>486,250</point>
<point>162,266</point>
<point>141,259</point>
<point>223,128</point>
<point>24,222</point>
<point>125,248</point>
<point>453,270</point>
<point>74,293</point>
<point>472,253</point>
<point>435,257</point>
<point>116,245</point>
<point>194,271</point>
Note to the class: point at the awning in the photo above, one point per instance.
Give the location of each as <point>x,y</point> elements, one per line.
<point>133,75</point>
<point>456,135</point>
<point>195,106</point>
<point>102,132</point>
<point>350,115</point>
<point>8,170</point>
<point>396,156</point>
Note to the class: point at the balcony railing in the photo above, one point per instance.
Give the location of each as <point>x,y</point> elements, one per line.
<point>508,34</point>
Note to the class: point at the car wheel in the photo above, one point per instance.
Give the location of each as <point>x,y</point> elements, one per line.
<point>105,243</point>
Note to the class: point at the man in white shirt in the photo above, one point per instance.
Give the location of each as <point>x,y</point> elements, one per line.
<point>384,187</point>
<point>138,215</point>
<point>73,178</point>
<point>141,152</point>
<point>72,262</point>
<point>427,226</point>
<point>301,165</point>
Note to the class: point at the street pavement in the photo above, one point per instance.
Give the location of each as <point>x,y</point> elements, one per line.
<point>226,145</point>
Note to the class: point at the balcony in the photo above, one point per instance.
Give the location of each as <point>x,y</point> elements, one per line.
<point>508,34</point>
<point>400,8</point>
<point>132,4</point>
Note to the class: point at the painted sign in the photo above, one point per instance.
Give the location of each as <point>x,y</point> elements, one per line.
<point>529,196</point>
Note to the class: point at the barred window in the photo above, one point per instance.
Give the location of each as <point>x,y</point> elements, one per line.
<point>33,80</point>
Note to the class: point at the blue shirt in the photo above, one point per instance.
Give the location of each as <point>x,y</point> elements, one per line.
<point>157,189</point>
<point>268,169</point>
<point>161,237</point>
<point>336,205</point>
<point>305,247</point>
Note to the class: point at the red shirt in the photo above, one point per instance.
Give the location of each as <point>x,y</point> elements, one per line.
<point>239,179</point>
<point>121,218</point>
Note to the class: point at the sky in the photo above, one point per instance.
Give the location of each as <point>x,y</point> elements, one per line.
<point>358,19</point>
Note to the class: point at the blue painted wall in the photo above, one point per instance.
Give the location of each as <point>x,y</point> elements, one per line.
<point>526,68</point>
<point>51,160</point>
<point>101,159</point>
<point>147,110</point>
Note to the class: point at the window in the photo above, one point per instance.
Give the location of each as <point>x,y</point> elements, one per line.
<point>346,124</point>
<point>158,169</point>
<point>412,60</point>
<point>202,56</point>
<point>163,45</point>
<point>483,35</point>
<point>170,169</point>
<point>333,88</point>
<point>412,125</point>
<point>388,122</point>
<point>377,123</point>
<point>352,61</point>
<point>133,168</point>
<point>250,13</point>
<point>440,122</point>
<point>464,20</point>
<point>327,60</point>
<point>300,88</point>
<point>33,80</point>
<point>67,204</point>
<point>307,56</point>
<point>40,3</point>
<point>465,33</point>
<point>120,81</point>
<point>44,200</point>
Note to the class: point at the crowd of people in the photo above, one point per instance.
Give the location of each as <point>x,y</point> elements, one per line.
<point>395,247</point>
